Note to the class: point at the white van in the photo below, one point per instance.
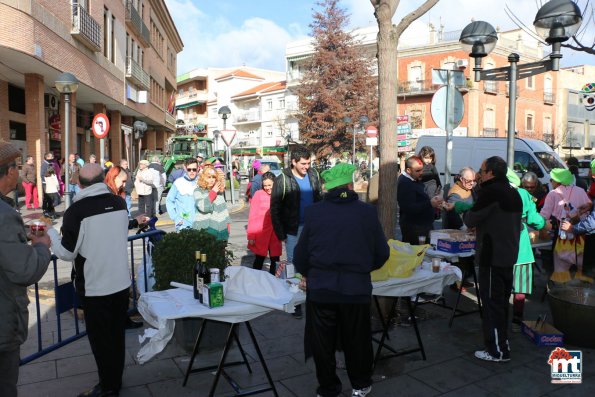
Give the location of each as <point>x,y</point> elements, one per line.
<point>529,154</point>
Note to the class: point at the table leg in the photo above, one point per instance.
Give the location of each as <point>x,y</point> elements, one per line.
<point>194,351</point>
<point>242,352</point>
<point>414,322</point>
<point>222,360</point>
<point>384,330</point>
<point>261,358</point>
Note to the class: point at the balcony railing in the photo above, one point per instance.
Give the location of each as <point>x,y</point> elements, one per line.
<point>136,74</point>
<point>169,119</point>
<point>136,23</point>
<point>85,29</point>
<point>417,87</point>
<point>549,97</point>
<point>490,132</point>
<point>247,117</point>
<point>490,87</point>
<point>548,138</point>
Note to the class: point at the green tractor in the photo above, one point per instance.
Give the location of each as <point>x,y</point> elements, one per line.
<point>181,147</point>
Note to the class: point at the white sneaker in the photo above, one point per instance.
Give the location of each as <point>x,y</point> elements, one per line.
<point>484,355</point>
<point>361,392</point>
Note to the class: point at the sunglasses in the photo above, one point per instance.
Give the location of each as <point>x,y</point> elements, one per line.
<point>191,169</point>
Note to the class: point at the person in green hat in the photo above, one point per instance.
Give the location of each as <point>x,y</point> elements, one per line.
<point>522,281</point>
<point>341,243</point>
<point>563,202</point>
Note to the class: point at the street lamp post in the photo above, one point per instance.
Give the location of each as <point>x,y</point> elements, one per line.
<point>556,21</point>
<point>224,113</point>
<point>67,84</point>
<point>216,135</point>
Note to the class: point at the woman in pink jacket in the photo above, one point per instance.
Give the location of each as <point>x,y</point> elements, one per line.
<point>261,237</point>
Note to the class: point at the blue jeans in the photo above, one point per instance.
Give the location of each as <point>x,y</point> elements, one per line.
<point>73,190</point>
<point>128,204</point>
<point>291,242</point>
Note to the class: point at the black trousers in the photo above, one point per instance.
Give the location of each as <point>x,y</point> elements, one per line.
<point>589,256</point>
<point>9,370</point>
<point>146,205</point>
<point>105,317</point>
<point>259,261</point>
<point>324,321</point>
<point>410,233</point>
<point>495,285</point>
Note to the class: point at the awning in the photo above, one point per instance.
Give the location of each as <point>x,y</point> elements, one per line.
<point>189,104</point>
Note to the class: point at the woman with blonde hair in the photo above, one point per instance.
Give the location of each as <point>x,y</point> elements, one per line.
<point>211,209</point>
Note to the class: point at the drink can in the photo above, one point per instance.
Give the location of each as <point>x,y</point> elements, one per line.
<point>215,275</point>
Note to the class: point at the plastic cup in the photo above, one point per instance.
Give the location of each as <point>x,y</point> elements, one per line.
<point>436,265</point>
<point>38,228</point>
<point>421,240</point>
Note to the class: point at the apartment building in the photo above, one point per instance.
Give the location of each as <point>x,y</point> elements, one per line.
<point>123,52</point>
<point>202,92</point>
<point>485,103</point>
<point>576,125</point>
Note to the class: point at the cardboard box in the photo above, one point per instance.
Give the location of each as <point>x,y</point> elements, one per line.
<point>450,234</point>
<point>212,295</point>
<point>455,247</point>
<point>544,335</point>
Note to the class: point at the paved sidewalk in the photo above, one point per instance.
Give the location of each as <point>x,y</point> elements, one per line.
<point>450,368</point>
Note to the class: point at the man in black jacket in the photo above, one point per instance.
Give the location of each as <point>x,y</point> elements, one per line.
<point>416,208</point>
<point>341,243</point>
<point>293,191</point>
<point>496,215</point>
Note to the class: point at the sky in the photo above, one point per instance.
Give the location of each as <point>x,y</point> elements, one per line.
<point>229,33</point>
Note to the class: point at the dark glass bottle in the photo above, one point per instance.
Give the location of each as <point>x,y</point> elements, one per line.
<point>196,282</point>
<point>204,274</point>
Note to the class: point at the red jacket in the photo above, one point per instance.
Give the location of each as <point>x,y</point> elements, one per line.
<point>260,227</point>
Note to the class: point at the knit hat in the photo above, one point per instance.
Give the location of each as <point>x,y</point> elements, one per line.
<point>8,153</point>
<point>340,174</point>
<point>513,178</point>
<point>562,175</point>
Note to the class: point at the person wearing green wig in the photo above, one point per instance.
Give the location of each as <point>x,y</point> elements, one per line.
<point>522,281</point>
<point>564,202</point>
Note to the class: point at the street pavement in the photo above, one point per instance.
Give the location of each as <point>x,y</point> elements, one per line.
<point>450,368</point>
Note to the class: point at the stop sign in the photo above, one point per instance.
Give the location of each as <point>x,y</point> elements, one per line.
<point>371,131</point>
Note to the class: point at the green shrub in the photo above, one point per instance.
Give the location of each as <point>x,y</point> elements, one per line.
<point>173,257</point>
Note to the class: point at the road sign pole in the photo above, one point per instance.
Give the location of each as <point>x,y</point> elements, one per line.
<point>449,122</point>
<point>230,173</point>
<point>101,151</point>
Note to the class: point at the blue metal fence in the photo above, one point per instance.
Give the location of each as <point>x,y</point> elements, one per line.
<point>65,299</point>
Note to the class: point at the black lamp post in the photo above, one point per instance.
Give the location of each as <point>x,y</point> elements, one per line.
<point>67,84</point>
<point>216,135</point>
<point>556,21</point>
<point>224,113</point>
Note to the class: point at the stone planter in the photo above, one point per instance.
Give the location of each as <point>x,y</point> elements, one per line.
<point>573,312</point>
<point>213,338</point>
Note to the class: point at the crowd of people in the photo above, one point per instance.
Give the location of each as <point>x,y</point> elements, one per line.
<point>318,222</point>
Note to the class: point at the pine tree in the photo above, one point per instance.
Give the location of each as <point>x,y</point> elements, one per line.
<point>337,82</point>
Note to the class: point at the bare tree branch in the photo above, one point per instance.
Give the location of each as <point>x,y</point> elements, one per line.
<point>413,15</point>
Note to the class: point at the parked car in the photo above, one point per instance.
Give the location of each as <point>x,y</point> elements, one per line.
<point>275,166</point>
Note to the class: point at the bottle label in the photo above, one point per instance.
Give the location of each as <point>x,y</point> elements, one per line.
<point>199,284</point>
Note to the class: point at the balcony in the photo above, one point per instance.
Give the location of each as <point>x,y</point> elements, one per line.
<point>549,97</point>
<point>85,29</point>
<point>248,142</point>
<point>136,74</point>
<point>548,138</point>
<point>490,87</point>
<point>169,119</point>
<point>189,99</point>
<point>418,87</point>
<point>135,22</point>
<point>252,116</point>
<point>490,132</point>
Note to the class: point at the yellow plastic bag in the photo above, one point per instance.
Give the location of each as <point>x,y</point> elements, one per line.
<point>404,258</point>
<point>380,274</point>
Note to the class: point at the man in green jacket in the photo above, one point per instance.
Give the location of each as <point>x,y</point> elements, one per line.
<point>21,265</point>
<point>522,272</point>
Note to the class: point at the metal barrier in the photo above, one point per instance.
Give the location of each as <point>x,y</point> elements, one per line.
<point>65,299</point>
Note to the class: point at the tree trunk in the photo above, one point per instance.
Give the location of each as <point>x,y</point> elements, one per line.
<point>387,95</point>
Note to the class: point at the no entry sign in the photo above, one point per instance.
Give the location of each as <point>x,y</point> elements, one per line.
<point>371,131</point>
<point>100,126</point>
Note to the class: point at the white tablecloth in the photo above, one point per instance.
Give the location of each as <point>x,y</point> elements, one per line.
<point>423,280</point>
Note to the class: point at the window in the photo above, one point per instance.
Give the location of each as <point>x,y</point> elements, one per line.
<point>269,104</point>
<point>529,126</point>
<point>16,99</point>
<point>157,40</point>
<point>547,124</point>
<point>269,132</point>
<point>416,119</point>
<point>530,82</point>
<point>18,131</point>
<point>157,94</point>
<point>524,162</point>
<point>281,103</point>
